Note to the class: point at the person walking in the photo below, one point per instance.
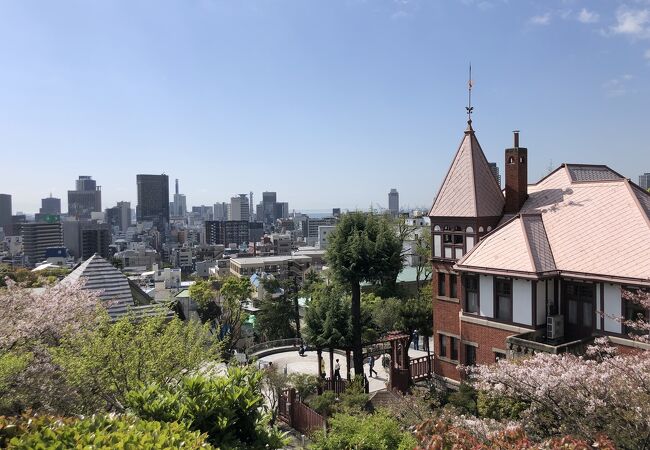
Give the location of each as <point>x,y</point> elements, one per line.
<point>337,370</point>
<point>416,340</point>
<point>371,363</point>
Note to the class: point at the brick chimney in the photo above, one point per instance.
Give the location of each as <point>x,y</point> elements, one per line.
<point>516,177</point>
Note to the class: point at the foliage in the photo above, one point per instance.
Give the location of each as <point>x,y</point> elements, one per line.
<point>204,294</point>
<point>354,399</point>
<point>323,404</point>
<point>464,400</point>
<point>603,393</point>
<point>363,247</point>
<point>227,408</point>
<point>377,431</point>
<point>412,408</point>
<point>405,315</point>
<point>443,435</point>
<point>98,432</point>
<point>233,292</point>
<point>498,407</point>
<point>274,319</point>
<point>31,323</point>
<point>106,362</point>
<point>304,384</point>
<point>274,381</point>
<point>327,321</point>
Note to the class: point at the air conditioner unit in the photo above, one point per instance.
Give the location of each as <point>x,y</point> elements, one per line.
<point>554,327</point>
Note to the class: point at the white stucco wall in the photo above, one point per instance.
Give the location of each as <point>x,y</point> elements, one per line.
<point>486,296</point>
<point>522,302</point>
<point>541,302</point>
<point>612,307</point>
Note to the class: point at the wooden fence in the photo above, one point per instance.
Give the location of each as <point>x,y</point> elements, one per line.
<point>421,368</point>
<point>298,415</point>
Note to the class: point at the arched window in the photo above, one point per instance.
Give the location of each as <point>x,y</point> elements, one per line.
<point>489,229</point>
<point>521,159</point>
<point>481,229</point>
<point>469,230</point>
<point>511,160</point>
<point>436,228</point>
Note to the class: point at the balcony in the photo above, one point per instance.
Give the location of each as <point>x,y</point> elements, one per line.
<point>527,344</point>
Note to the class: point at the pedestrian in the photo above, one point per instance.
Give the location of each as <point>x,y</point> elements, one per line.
<point>416,340</point>
<point>371,363</point>
<point>337,370</point>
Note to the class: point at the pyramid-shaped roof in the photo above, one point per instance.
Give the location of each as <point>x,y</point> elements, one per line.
<point>112,287</point>
<point>469,189</point>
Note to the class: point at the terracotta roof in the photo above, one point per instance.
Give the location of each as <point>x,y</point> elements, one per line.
<point>577,220</point>
<point>469,189</point>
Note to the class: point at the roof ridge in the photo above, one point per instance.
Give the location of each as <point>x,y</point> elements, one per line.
<point>636,201</point>
<point>527,241</point>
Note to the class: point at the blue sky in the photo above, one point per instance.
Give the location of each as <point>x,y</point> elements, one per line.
<point>329,103</point>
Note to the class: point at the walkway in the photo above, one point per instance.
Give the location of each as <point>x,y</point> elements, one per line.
<point>295,363</point>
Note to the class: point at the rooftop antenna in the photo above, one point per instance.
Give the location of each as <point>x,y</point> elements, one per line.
<point>469,107</point>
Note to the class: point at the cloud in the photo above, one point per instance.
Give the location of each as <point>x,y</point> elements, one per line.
<point>543,19</point>
<point>646,55</point>
<point>632,22</point>
<point>586,16</point>
<point>618,87</point>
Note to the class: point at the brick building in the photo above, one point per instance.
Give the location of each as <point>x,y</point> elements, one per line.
<point>531,268</point>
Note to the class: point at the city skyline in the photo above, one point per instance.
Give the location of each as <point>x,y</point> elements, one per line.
<point>375,91</point>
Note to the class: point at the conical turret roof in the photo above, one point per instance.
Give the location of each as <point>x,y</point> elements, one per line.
<point>469,189</point>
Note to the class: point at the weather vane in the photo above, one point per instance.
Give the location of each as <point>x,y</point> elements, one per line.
<point>469,106</point>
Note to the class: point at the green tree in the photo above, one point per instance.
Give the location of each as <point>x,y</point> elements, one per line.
<point>229,409</point>
<point>205,296</point>
<point>234,291</point>
<point>276,313</point>
<point>363,247</point>
<point>104,363</point>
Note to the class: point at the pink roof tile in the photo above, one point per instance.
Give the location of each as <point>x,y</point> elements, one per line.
<point>469,189</point>
<point>591,227</point>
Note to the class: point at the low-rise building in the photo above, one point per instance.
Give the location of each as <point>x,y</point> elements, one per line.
<point>281,267</point>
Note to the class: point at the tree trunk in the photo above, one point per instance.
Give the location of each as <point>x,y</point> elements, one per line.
<point>331,363</point>
<point>356,328</point>
<point>296,308</point>
<point>347,363</point>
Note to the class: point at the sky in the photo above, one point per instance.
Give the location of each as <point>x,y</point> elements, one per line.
<point>329,103</point>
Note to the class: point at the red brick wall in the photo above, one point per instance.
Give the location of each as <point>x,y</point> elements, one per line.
<point>487,338</point>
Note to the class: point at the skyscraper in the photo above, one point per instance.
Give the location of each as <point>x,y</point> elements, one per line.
<point>179,208</point>
<point>644,180</point>
<point>495,171</point>
<point>85,199</point>
<point>50,205</point>
<point>239,208</point>
<point>5,213</point>
<point>393,202</point>
<point>38,237</point>
<point>251,205</point>
<point>119,216</point>
<point>153,200</point>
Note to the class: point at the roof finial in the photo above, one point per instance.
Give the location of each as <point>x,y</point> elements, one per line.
<point>469,106</point>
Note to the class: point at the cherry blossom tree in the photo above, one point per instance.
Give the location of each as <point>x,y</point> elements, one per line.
<point>32,321</point>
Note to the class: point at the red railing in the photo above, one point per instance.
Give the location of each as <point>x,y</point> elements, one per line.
<point>298,415</point>
<point>421,367</point>
<point>305,419</point>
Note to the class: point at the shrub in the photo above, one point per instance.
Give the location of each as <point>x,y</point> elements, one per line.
<point>464,399</point>
<point>364,432</point>
<point>100,432</point>
<point>304,384</point>
<point>227,408</point>
<point>499,407</point>
<point>323,404</point>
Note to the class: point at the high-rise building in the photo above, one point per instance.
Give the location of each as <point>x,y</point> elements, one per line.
<point>239,208</point>
<point>226,232</point>
<point>119,216</point>
<point>5,213</point>
<point>393,202</point>
<point>85,199</point>
<point>251,206</point>
<point>38,237</point>
<point>495,171</point>
<point>644,181</point>
<point>179,206</point>
<point>153,200</point>
<point>50,205</point>
<point>220,211</point>
<point>336,212</point>
<point>84,238</point>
